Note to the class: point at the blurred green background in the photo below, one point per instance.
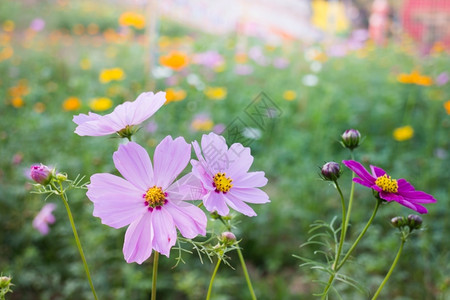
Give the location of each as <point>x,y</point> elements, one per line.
<point>53,57</point>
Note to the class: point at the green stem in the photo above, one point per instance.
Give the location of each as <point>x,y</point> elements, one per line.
<point>350,201</point>
<point>360,236</point>
<point>330,281</point>
<point>208,296</point>
<point>343,231</point>
<point>77,240</point>
<point>155,274</point>
<point>399,253</point>
<point>247,277</point>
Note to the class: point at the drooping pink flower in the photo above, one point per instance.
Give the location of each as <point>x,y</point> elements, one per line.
<point>390,189</point>
<point>148,199</point>
<point>122,118</point>
<point>225,177</point>
<point>44,218</point>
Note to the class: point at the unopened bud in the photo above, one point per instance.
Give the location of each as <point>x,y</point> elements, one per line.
<point>5,282</point>
<point>398,222</point>
<point>227,238</point>
<point>351,138</point>
<point>331,171</point>
<point>414,222</point>
<point>41,174</point>
<point>61,177</point>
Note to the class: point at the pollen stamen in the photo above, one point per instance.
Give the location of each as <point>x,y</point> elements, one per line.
<point>387,184</point>
<point>155,197</point>
<point>222,183</point>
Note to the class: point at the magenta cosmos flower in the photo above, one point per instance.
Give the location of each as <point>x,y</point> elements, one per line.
<point>44,218</point>
<point>148,199</point>
<point>123,117</point>
<point>225,177</point>
<point>390,189</point>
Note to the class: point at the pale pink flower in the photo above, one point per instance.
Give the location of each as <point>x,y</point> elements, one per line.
<point>44,218</point>
<point>148,199</point>
<point>123,117</point>
<point>225,177</point>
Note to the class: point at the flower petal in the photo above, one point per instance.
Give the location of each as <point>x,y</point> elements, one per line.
<point>171,158</point>
<point>362,182</point>
<point>418,196</point>
<point>359,170</point>
<point>416,207</point>
<point>202,173</point>
<point>133,162</point>
<point>239,160</point>
<point>116,202</point>
<point>189,187</point>
<point>146,105</point>
<point>251,179</point>
<point>137,246</point>
<point>377,172</point>
<point>216,202</point>
<point>165,234</point>
<point>251,195</point>
<point>82,118</point>
<point>101,126</point>
<point>239,205</point>
<point>189,219</point>
<point>214,149</point>
<point>404,185</point>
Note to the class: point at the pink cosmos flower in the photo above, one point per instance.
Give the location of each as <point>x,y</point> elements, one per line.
<point>225,177</point>
<point>44,218</point>
<point>122,118</point>
<point>390,189</point>
<point>148,199</point>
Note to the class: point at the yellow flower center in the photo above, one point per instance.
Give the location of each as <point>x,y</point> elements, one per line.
<point>222,183</point>
<point>155,197</point>
<point>387,184</point>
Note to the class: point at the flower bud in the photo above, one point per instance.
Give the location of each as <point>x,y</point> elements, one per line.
<point>414,222</point>
<point>5,282</point>
<point>61,177</point>
<point>398,222</point>
<point>331,171</point>
<point>351,138</point>
<point>228,238</point>
<point>41,174</point>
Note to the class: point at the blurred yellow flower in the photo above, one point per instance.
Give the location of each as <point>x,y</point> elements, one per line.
<point>8,26</point>
<point>107,75</point>
<point>130,18</point>
<point>6,53</point>
<point>78,29</point>
<point>175,60</point>
<point>216,93</point>
<point>241,58</point>
<point>17,102</point>
<point>403,133</point>
<point>39,107</point>
<point>173,95</point>
<point>85,64</point>
<point>100,104</point>
<point>202,124</point>
<point>164,42</point>
<point>447,107</point>
<point>438,47</point>
<point>92,29</point>
<point>71,103</point>
<point>220,68</point>
<point>289,95</point>
<point>414,78</point>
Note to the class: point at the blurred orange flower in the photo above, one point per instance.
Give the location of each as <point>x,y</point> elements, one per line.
<point>202,123</point>
<point>403,133</point>
<point>71,103</point>
<point>447,107</point>
<point>21,89</point>
<point>414,78</point>
<point>175,60</point>
<point>107,75</point>
<point>78,29</point>
<point>8,26</point>
<point>216,93</point>
<point>132,19</point>
<point>92,29</point>
<point>39,107</point>
<point>6,53</point>
<point>100,104</point>
<point>17,102</point>
<point>241,58</point>
<point>173,95</point>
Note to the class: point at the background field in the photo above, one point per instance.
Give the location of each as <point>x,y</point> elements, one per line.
<point>318,96</point>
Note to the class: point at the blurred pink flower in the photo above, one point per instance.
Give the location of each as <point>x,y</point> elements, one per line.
<point>37,24</point>
<point>123,117</point>
<point>280,63</point>
<point>243,69</point>
<point>442,79</point>
<point>148,199</point>
<point>225,177</point>
<point>210,59</point>
<point>44,218</point>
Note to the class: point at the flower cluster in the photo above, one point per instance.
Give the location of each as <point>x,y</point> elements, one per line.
<point>148,198</point>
